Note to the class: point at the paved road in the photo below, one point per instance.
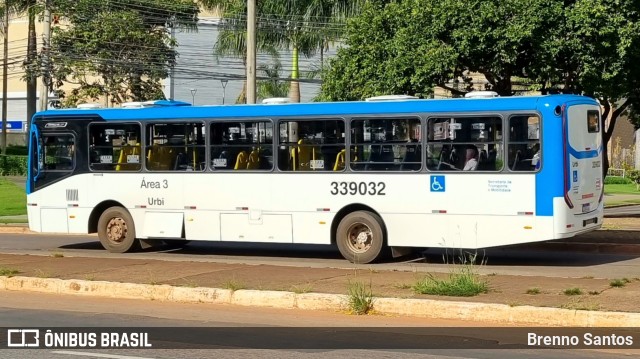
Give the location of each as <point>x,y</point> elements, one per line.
<point>510,261</point>
<point>322,331</point>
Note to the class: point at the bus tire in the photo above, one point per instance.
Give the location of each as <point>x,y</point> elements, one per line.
<point>360,237</point>
<point>116,230</point>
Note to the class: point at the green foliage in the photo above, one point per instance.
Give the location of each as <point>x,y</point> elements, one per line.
<point>634,176</point>
<point>621,189</point>
<point>619,283</point>
<point>617,180</point>
<point>589,47</point>
<point>464,282</point>
<point>122,51</point>
<point>13,199</point>
<point>302,26</point>
<point>273,86</point>
<point>8,272</point>
<point>573,291</point>
<point>17,150</point>
<point>360,298</point>
<point>13,165</point>
<point>533,291</point>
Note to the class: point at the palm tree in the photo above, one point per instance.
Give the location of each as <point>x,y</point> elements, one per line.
<point>232,35</point>
<point>273,86</point>
<point>306,26</point>
<point>303,26</point>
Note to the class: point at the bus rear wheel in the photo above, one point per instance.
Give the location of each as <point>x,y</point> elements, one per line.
<point>116,231</point>
<point>360,237</point>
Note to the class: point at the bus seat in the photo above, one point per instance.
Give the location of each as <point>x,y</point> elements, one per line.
<point>381,158</point>
<point>181,162</point>
<point>126,151</point>
<point>339,165</point>
<point>253,161</point>
<point>516,160</point>
<point>305,154</point>
<point>483,161</point>
<point>241,161</point>
<point>411,157</point>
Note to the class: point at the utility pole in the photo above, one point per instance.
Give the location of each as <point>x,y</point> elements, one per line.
<point>172,72</point>
<point>251,51</point>
<point>4,77</point>
<point>46,43</point>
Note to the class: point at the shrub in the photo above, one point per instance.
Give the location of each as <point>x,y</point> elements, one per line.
<point>617,180</point>
<point>13,165</point>
<point>17,150</point>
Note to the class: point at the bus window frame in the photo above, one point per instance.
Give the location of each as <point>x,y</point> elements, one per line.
<point>145,147</point>
<point>394,116</point>
<point>502,116</point>
<point>210,145</point>
<point>41,148</point>
<point>141,139</point>
<point>539,141</point>
<point>277,143</point>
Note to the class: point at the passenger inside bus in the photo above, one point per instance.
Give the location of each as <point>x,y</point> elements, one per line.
<point>471,159</point>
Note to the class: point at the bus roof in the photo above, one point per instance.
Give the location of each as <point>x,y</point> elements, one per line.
<point>495,104</point>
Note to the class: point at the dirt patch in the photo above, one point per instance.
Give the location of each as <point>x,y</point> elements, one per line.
<point>571,293</point>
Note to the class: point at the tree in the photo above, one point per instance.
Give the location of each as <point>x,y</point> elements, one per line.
<point>233,32</point>
<point>305,26</point>
<point>588,47</point>
<point>273,86</point>
<point>302,26</point>
<point>121,50</point>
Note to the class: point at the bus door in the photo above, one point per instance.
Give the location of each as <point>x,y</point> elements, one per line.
<point>52,158</point>
<point>583,158</point>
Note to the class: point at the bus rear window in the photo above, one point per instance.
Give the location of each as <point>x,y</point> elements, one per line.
<point>593,121</point>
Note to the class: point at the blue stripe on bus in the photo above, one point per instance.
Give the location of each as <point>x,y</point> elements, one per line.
<point>583,155</point>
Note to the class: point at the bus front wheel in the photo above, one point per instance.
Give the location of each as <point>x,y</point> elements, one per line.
<point>360,237</point>
<point>116,231</point>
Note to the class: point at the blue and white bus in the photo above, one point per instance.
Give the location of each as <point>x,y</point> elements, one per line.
<point>371,177</point>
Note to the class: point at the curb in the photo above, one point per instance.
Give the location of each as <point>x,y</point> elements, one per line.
<point>429,308</point>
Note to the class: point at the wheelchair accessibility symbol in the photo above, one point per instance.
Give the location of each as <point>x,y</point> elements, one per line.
<point>437,184</point>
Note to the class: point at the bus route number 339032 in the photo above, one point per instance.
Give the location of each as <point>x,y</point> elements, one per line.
<point>361,188</point>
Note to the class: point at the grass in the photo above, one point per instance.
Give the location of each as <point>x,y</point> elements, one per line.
<point>621,189</point>
<point>39,273</point>
<point>57,255</point>
<point>233,285</point>
<point>533,291</point>
<point>301,289</point>
<point>463,282</point>
<point>573,291</point>
<point>13,199</point>
<point>8,272</point>
<point>12,220</point>
<point>580,305</point>
<point>619,283</point>
<point>360,298</point>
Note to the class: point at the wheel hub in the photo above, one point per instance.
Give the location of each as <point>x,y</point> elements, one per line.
<point>360,237</point>
<point>116,230</point>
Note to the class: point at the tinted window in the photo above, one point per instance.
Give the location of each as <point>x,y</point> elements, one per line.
<point>175,147</point>
<point>524,143</point>
<point>114,147</point>
<point>311,145</point>
<point>385,144</point>
<point>465,143</point>
<point>243,145</point>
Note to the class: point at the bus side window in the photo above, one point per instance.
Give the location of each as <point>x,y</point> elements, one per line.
<point>524,148</point>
